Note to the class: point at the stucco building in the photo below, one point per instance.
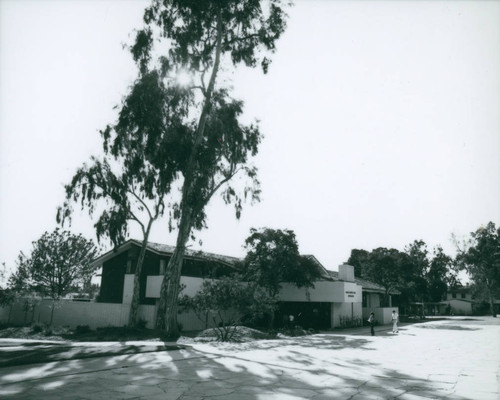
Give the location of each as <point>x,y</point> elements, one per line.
<point>337,298</point>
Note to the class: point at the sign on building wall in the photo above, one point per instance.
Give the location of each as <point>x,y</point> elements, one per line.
<point>352,293</point>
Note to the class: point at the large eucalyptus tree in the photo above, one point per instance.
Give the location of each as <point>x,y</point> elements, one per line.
<point>195,39</point>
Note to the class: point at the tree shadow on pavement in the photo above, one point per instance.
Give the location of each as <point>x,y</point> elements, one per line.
<point>449,327</point>
<point>299,369</point>
<point>42,353</point>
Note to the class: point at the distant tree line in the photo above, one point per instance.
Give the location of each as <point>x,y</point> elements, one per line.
<point>418,274</point>
<point>425,276</point>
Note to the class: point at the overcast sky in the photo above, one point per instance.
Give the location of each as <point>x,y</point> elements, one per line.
<point>381,121</point>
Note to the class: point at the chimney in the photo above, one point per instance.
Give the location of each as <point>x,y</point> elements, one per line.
<point>346,273</point>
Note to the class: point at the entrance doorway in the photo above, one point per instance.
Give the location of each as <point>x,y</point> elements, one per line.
<point>313,315</point>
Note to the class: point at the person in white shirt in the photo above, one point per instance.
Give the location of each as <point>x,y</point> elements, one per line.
<point>395,321</point>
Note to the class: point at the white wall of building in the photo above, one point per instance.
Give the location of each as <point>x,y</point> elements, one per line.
<point>323,291</point>
<point>128,288</point>
<point>346,273</point>
<point>153,285</point>
<point>458,295</point>
<point>459,307</point>
<point>345,310</point>
<point>345,297</point>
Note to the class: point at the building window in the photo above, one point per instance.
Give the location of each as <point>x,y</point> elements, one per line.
<point>463,295</point>
<point>454,295</point>
<point>162,267</point>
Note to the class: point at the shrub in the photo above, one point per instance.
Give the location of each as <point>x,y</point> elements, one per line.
<point>295,331</point>
<point>350,322</point>
<point>82,329</point>
<point>224,302</point>
<point>141,323</point>
<point>36,328</point>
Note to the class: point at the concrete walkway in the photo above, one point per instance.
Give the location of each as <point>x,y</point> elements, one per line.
<point>22,352</point>
<point>452,359</point>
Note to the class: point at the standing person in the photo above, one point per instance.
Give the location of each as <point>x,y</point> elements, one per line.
<point>291,318</point>
<point>395,317</point>
<point>371,320</point>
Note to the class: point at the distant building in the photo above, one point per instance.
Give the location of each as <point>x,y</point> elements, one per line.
<point>460,301</point>
<point>456,301</point>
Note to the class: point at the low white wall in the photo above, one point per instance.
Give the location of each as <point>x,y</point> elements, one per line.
<point>95,315</point>
<point>350,310</point>
<point>68,313</point>
<point>383,315</point>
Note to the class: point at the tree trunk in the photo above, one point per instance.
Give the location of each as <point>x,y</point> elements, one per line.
<point>492,302</point>
<point>492,307</point>
<point>10,312</point>
<point>272,320</point>
<point>166,317</point>
<point>52,312</point>
<point>134,305</point>
<point>272,315</point>
<point>385,300</point>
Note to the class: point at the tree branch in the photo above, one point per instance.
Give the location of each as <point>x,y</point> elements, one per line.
<point>141,201</point>
<point>134,217</point>
<point>222,182</point>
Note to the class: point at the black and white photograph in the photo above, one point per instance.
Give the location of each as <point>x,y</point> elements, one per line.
<point>250,199</point>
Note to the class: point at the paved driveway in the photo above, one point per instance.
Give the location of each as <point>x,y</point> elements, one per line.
<point>452,359</point>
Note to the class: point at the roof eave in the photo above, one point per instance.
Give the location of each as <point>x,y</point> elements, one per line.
<point>126,245</point>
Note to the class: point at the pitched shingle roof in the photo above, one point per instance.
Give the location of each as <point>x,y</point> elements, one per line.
<point>165,249</point>
<point>324,273</point>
